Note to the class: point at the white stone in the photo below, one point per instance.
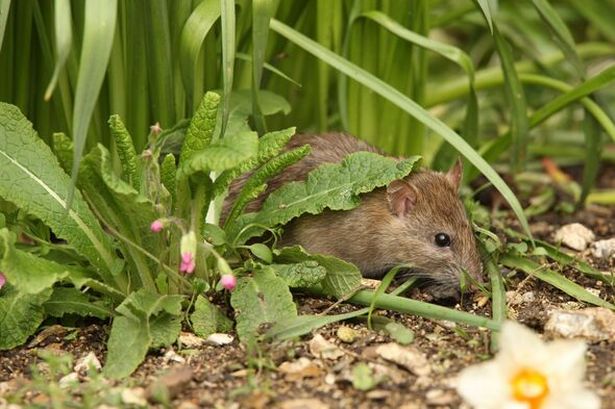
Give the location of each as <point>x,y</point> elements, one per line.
<point>323,349</point>
<point>575,235</point>
<point>189,340</point>
<point>134,396</point>
<point>87,362</point>
<point>69,380</point>
<point>219,339</point>
<point>408,357</point>
<point>592,324</point>
<point>172,356</point>
<point>603,249</point>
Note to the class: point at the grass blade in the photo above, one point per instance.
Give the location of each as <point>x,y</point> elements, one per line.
<point>488,8</point>
<point>158,47</point>
<point>64,39</point>
<point>193,35</point>
<point>555,279</point>
<point>593,155</point>
<point>5,6</point>
<point>99,28</point>
<point>262,11</point>
<point>405,103</point>
<point>562,34</point>
<point>227,18</point>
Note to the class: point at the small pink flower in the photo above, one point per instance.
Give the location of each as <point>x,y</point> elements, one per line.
<point>155,129</point>
<point>228,281</point>
<point>187,264</point>
<point>156,226</point>
<point>2,280</point>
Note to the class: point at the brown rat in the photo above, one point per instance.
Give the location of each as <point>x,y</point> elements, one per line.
<point>418,220</point>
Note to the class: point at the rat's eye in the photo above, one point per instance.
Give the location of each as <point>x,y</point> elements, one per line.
<point>442,240</point>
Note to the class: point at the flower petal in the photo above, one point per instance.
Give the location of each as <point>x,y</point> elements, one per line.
<point>565,365</point>
<point>484,386</point>
<point>573,399</point>
<point>520,347</point>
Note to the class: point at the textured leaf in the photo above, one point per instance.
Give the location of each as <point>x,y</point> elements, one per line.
<point>125,150</point>
<point>145,320</point>
<point>63,148</point>
<point>201,128</point>
<point>207,318</point>
<point>67,300</point>
<point>261,299</point>
<point>301,275</point>
<point>20,315</point>
<point>256,183</point>
<point>269,146</point>
<point>128,343</point>
<point>334,186</point>
<point>28,273</point>
<point>342,277</point>
<point>224,154</point>
<point>32,179</point>
<point>168,174</point>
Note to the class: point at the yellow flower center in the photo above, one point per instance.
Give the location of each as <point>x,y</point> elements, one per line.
<point>529,386</point>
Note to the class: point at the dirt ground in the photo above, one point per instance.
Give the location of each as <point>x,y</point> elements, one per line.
<point>228,377</point>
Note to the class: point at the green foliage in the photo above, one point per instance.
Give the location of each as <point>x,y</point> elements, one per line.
<point>207,318</point>
<point>125,150</point>
<point>20,315</point>
<point>259,300</point>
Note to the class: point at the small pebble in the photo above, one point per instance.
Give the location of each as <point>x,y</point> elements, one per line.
<point>321,348</point>
<point>87,362</point>
<point>69,380</point>
<point>603,249</point>
<point>134,396</point>
<point>190,340</point>
<point>219,339</point>
<point>592,324</point>
<point>408,357</point>
<point>575,235</point>
<point>347,334</point>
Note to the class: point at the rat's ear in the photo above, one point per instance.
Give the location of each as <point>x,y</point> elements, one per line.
<point>401,196</point>
<point>455,173</point>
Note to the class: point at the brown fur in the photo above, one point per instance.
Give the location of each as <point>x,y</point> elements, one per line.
<point>392,225</point>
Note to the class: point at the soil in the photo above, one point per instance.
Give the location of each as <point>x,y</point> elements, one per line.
<point>230,377</point>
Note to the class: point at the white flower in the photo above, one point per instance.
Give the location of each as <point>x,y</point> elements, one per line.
<point>529,374</point>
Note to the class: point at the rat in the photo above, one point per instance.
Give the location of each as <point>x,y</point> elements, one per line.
<point>418,220</point>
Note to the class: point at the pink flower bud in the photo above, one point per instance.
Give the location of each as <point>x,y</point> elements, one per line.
<point>2,280</point>
<point>228,281</point>
<point>156,226</point>
<point>187,264</point>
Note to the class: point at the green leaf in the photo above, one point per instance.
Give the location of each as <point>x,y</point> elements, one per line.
<point>98,32</point>
<point>227,22</point>
<point>125,150</point>
<point>304,324</point>
<point>207,318</point>
<point>223,154</point>
<point>20,315</point>
<point>396,97</point>
<point>214,234</point>
<point>64,38</point>
<point>28,273</point>
<point>4,15</point>
<point>69,300</point>
<point>127,346</point>
<point>145,320</point>
<point>201,128</point>
<point>256,183</point>
<point>555,279</point>
<point>63,148</point>
<point>262,11</point>
<point>27,162</point>
<point>193,35</point>
<point>261,251</point>
<point>261,299</point>
<point>401,334</point>
<point>333,186</point>
<point>342,277</point>
<point>168,174</point>
<point>301,274</point>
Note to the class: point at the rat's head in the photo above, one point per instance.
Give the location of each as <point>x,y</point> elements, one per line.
<point>438,241</point>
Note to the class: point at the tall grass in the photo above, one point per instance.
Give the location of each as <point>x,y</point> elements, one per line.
<point>485,71</point>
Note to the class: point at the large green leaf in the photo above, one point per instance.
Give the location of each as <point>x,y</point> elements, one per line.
<point>20,315</point>
<point>207,318</point>
<point>333,186</point>
<point>67,300</point>
<point>226,153</point>
<point>28,273</point>
<point>31,178</point>
<point>259,300</point>
<point>341,279</point>
<point>145,320</point>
